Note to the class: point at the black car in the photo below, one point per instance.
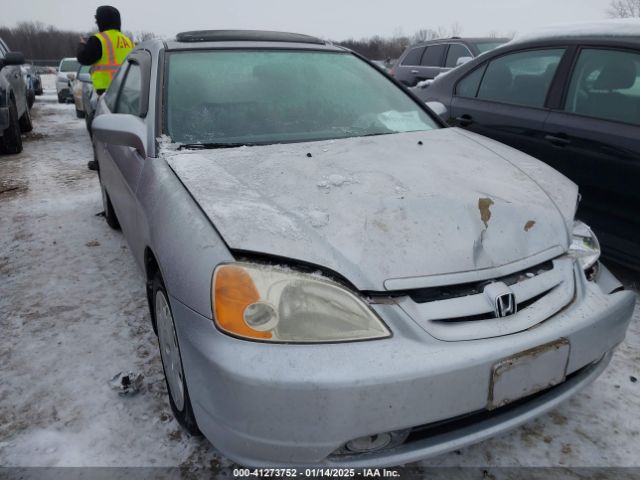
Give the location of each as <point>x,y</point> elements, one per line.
<point>14,109</point>
<point>426,60</point>
<point>571,100</point>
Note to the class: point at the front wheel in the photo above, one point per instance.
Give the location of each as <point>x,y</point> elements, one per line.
<point>172,360</point>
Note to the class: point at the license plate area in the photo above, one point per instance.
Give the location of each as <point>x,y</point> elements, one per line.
<point>528,372</point>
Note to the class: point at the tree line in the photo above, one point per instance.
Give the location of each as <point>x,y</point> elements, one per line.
<point>46,43</point>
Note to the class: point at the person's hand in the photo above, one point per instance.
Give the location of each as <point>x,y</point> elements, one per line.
<point>83,40</point>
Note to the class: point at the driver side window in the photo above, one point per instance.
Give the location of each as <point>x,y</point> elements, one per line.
<point>111,94</point>
<point>129,98</point>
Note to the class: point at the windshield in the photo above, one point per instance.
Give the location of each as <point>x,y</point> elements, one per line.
<point>267,96</point>
<point>486,46</point>
<point>69,66</point>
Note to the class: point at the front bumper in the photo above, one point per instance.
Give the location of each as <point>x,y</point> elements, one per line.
<point>263,404</point>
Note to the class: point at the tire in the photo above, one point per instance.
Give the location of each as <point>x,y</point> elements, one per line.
<point>109,212</point>
<point>11,141</point>
<point>25,121</point>
<point>79,113</point>
<point>31,98</point>
<point>61,98</point>
<point>171,359</point>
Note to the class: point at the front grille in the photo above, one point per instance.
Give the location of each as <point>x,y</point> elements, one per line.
<point>464,312</point>
<point>423,295</point>
<point>487,316</point>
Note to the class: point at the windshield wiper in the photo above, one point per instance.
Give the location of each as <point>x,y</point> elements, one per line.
<point>213,145</point>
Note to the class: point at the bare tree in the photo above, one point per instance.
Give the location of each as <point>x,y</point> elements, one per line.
<point>423,35</point>
<point>624,8</point>
<point>456,29</point>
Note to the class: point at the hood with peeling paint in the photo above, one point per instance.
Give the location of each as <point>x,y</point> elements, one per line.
<point>378,208</point>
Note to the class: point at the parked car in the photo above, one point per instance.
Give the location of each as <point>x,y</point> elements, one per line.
<point>35,78</point>
<point>28,82</point>
<point>426,60</point>
<point>66,73</point>
<point>334,277</point>
<point>78,87</point>
<point>34,82</point>
<point>15,116</point>
<point>570,98</point>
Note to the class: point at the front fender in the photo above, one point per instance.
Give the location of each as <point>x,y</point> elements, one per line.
<point>186,245</point>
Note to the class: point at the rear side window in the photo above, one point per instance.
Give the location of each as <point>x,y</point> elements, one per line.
<point>456,51</point>
<point>433,56</point>
<point>129,99</point>
<point>521,78</point>
<point>413,57</point>
<point>468,86</point>
<point>606,84</point>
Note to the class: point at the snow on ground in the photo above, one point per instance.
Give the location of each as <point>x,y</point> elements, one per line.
<point>73,314</point>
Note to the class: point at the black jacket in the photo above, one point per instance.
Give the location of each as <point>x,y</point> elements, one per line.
<point>107,18</point>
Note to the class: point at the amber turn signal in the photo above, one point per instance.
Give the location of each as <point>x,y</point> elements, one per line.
<point>233,291</point>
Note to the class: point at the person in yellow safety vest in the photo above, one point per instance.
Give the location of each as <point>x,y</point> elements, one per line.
<point>106,50</point>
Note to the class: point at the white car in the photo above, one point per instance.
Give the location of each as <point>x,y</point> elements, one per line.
<point>66,74</point>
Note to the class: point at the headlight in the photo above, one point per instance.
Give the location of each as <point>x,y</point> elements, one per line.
<point>273,304</point>
<point>584,245</point>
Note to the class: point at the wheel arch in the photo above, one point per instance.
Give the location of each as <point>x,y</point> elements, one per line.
<point>151,269</point>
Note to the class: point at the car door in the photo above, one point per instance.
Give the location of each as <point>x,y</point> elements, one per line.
<point>595,140</point>
<point>505,97</point>
<point>409,66</point>
<point>122,165</point>
<point>431,62</point>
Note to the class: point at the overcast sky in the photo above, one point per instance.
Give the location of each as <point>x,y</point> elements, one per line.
<point>330,19</point>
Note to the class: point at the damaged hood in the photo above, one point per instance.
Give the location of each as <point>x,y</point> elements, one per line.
<point>380,210</point>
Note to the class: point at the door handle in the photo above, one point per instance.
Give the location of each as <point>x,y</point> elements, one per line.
<point>559,140</point>
<point>464,120</point>
<point>415,71</point>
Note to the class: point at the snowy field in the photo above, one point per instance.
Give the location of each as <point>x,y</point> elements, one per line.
<point>73,313</point>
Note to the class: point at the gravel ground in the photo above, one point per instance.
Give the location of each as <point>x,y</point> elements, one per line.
<point>73,313</point>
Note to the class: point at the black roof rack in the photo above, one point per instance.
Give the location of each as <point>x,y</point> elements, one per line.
<point>245,35</point>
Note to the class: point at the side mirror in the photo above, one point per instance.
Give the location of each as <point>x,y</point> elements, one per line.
<point>439,109</point>
<point>121,129</point>
<point>12,58</point>
<point>84,77</point>
<point>463,60</point>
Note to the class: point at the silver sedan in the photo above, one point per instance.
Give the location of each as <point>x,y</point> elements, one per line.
<point>335,277</point>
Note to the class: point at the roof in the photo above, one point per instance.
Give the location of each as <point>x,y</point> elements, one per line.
<point>462,40</point>
<point>245,36</point>
<point>628,28</point>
